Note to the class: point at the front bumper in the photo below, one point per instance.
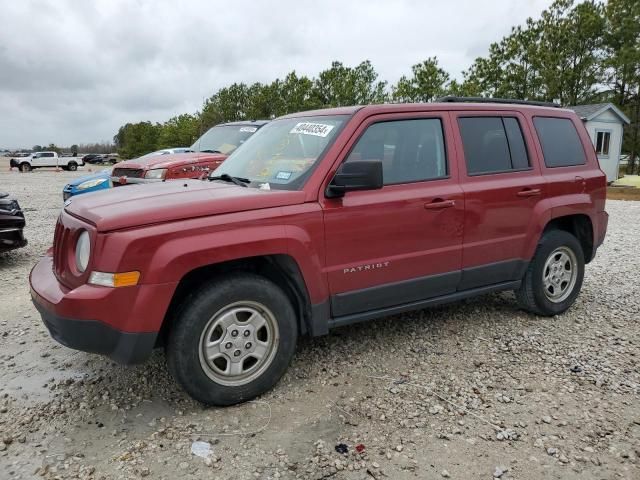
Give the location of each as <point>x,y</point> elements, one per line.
<point>121,323</point>
<point>11,238</point>
<point>96,337</point>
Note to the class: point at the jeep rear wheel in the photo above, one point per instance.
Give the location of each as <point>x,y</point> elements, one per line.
<point>232,339</point>
<point>72,166</point>
<point>25,167</point>
<point>554,277</point>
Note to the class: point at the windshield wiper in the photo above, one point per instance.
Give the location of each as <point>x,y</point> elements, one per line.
<point>225,177</point>
<point>210,151</point>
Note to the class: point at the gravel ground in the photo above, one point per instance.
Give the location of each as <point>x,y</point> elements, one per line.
<point>473,390</point>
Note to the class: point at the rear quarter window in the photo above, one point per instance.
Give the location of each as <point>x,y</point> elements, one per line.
<point>561,145</point>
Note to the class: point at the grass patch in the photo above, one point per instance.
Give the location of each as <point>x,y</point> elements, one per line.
<point>623,193</point>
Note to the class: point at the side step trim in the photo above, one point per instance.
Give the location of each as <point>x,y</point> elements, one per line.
<point>431,302</point>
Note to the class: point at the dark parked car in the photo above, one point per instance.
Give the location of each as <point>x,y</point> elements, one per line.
<point>93,158</point>
<point>11,223</point>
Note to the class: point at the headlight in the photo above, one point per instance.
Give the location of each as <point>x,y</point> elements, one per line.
<point>114,280</point>
<point>156,174</point>
<point>91,183</point>
<point>83,250</point>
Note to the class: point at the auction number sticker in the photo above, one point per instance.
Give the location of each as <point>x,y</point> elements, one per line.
<point>282,175</point>
<point>248,129</point>
<point>308,128</point>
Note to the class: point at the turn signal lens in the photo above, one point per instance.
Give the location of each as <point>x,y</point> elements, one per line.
<point>124,279</point>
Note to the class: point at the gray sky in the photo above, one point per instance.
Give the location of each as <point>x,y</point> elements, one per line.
<point>73,71</point>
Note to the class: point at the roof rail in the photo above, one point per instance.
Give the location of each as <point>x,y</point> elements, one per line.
<point>454,99</point>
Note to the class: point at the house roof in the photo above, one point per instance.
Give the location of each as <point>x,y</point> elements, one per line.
<point>589,112</point>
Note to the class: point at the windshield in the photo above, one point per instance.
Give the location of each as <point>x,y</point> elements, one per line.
<point>224,138</point>
<point>283,152</point>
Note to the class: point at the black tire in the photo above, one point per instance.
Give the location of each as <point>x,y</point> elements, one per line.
<point>25,167</point>
<point>72,166</point>
<point>531,295</point>
<point>183,347</point>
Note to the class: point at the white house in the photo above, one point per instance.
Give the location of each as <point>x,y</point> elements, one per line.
<point>604,122</point>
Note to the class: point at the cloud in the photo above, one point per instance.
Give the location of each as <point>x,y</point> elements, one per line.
<point>73,71</point>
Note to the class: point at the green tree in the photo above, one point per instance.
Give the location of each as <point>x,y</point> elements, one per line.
<point>569,53</point>
<point>135,139</point>
<point>179,131</point>
<point>622,68</point>
<point>341,86</point>
<point>425,85</point>
<point>37,148</point>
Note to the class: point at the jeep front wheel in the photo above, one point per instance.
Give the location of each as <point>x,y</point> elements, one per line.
<point>554,277</point>
<point>232,339</point>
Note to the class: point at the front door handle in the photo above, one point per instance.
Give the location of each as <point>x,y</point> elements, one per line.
<point>529,192</point>
<point>439,203</point>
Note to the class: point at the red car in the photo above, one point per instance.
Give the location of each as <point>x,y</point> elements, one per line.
<point>324,219</point>
<point>206,155</point>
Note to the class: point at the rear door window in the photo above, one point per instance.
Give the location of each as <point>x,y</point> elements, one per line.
<point>493,145</point>
<point>561,145</point>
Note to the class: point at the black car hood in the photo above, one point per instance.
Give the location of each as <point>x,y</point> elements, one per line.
<point>3,195</point>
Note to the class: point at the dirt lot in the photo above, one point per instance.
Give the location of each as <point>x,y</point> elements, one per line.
<point>474,390</point>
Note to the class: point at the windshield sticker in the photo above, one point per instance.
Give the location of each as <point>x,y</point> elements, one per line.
<point>248,129</point>
<point>265,186</point>
<point>316,129</point>
<point>283,175</point>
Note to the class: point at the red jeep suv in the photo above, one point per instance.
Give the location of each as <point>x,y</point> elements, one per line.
<point>205,155</point>
<point>323,219</point>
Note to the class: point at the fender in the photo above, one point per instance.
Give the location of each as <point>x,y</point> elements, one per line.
<point>540,216</point>
<point>165,253</point>
<point>556,207</point>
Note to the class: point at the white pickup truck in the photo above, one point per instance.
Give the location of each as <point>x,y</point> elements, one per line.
<point>46,159</point>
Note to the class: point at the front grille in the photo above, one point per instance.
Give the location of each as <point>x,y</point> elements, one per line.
<point>128,172</point>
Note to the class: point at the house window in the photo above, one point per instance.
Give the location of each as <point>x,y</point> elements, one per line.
<point>602,143</point>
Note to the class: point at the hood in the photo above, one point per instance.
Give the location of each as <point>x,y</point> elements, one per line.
<point>170,160</point>
<point>3,194</point>
<point>160,202</point>
<point>93,176</point>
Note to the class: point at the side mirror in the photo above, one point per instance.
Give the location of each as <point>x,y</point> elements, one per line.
<point>356,175</point>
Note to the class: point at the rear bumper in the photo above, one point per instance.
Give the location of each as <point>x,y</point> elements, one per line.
<point>11,238</point>
<point>121,323</point>
<point>603,223</point>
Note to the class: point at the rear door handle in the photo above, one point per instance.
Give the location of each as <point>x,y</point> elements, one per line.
<point>529,192</point>
<point>439,203</point>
